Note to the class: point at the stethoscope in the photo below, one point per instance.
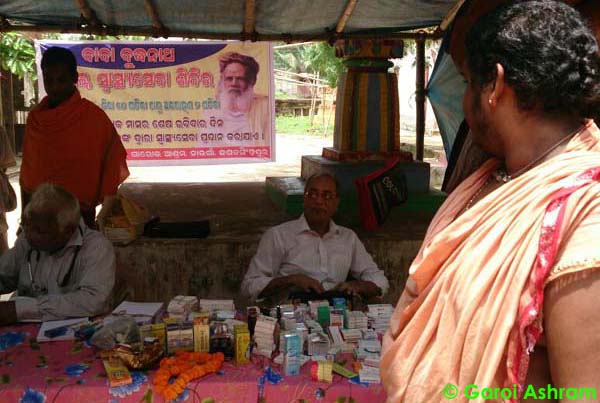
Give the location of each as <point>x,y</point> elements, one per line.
<point>35,286</point>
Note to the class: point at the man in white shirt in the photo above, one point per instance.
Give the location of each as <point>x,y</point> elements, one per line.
<point>58,267</point>
<point>312,253</point>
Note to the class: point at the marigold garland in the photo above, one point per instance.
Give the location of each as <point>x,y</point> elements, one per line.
<point>186,367</point>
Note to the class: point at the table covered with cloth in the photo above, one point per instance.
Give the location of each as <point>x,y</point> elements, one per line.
<point>70,371</point>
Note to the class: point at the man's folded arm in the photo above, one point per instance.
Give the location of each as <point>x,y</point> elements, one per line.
<point>264,265</point>
<point>10,262</point>
<point>365,269</point>
<point>89,297</point>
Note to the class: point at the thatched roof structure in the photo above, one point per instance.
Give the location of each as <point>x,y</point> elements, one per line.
<point>287,20</point>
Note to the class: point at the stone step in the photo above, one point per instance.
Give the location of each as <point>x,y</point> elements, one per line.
<point>415,172</point>
<point>287,192</point>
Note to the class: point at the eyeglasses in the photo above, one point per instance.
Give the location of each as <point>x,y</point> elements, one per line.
<point>315,194</point>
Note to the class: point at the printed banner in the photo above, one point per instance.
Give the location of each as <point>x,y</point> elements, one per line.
<point>180,103</point>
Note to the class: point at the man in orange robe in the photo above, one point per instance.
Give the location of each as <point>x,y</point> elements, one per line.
<point>501,301</point>
<point>71,142</point>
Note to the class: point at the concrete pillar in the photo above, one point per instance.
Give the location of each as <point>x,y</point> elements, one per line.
<point>366,136</point>
<point>367,119</point>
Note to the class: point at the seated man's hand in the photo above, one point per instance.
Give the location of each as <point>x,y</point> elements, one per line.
<point>8,313</point>
<point>365,289</point>
<point>350,287</point>
<point>306,283</point>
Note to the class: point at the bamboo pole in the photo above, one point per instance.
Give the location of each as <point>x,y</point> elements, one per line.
<point>159,27</point>
<point>331,112</point>
<point>7,100</point>
<point>313,100</point>
<point>250,18</point>
<point>289,38</point>
<point>3,23</point>
<point>303,83</point>
<point>88,14</point>
<point>348,10</point>
<point>420,99</point>
<point>451,15</point>
<point>322,105</point>
<point>291,45</point>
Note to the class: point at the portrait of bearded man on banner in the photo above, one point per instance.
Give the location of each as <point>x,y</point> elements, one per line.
<point>241,109</point>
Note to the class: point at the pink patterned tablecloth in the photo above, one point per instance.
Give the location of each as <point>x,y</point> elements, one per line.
<point>67,371</point>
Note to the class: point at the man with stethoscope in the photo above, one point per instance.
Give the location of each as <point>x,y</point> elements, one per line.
<point>58,267</point>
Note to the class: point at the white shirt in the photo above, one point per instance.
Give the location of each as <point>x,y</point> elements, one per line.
<point>76,281</point>
<point>293,248</point>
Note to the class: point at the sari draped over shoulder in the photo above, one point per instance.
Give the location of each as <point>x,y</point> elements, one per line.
<point>76,146</point>
<point>472,309</point>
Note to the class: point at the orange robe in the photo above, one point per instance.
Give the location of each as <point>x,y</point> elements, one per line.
<point>472,308</point>
<point>76,146</point>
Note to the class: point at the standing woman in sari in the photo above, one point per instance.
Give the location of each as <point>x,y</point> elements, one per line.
<point>503,294</point>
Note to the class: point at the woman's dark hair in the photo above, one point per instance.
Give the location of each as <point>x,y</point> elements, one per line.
<point>549,55</point>
<point>57,55</point>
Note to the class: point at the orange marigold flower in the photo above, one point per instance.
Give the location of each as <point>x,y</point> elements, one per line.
<point>186,366</point>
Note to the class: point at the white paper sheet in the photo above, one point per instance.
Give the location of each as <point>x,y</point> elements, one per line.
<point>53,324</point>
<point>142,312</point>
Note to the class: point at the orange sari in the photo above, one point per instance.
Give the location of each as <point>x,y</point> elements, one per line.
<point>76,146</point>
<point>472,307</point>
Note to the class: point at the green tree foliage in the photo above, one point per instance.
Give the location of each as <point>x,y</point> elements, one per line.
<point>326,63</point>
<point>431,48</point>
<point>17,53</point>
<point>310,58</point>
